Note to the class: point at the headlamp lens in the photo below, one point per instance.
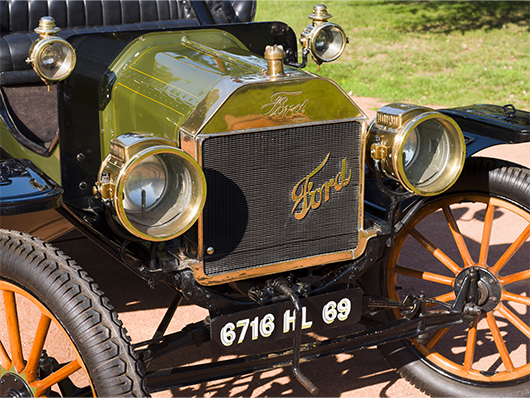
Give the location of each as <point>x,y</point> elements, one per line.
<point>157,191</point>
<point>145,185</point>
<point>421,148</point>
<point>410,148</point>
<point>431,155</point>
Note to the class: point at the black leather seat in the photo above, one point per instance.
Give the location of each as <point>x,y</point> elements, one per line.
<point>18,19</point>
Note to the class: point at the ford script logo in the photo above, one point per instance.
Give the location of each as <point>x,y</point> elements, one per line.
<point>306,198</point>
<point>284,104</point>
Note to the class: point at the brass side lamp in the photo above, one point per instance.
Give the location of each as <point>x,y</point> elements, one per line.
<point>52,57</point>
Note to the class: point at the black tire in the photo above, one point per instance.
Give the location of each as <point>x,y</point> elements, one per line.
<point>467,361</point>
<point>63,325</point>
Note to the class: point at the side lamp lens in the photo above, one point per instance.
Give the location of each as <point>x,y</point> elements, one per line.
<point>325,40</point>
<point>53,59</point>
<point>328,42</point>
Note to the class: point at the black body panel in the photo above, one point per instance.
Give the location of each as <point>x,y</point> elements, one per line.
<point>24,188</point>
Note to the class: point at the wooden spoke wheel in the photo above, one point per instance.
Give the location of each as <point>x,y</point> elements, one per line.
<point>482,226</point>
<point>59,337</point>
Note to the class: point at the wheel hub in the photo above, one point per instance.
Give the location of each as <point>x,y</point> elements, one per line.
<point>13,385</point>
<point>489,289</point>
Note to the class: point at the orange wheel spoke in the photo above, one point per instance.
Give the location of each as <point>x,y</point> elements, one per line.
<point>36,348</point>
<point>457,235</point>
<point>470,346</point>
<point>516,298</point>
<point>55,377</point>
<point>521,239</point>
<point>5,362</point>
<point>436,337</point>
<point>499,342</point>
<point>486,236</point>
<point>520,276</point>
<point>13,330</point>
<point>427,276</point>
<point>444,298</point>
<point>514,319</point>
<point>437,253</point>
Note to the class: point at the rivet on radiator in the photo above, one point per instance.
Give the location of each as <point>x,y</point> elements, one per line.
<point>210,250</point>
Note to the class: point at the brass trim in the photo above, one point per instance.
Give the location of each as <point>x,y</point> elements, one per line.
<point>47,31</point>
<point>364,139</point>
<point>193,146</point>
<point>269,269</point>
<point>364,237</point>
<point>397,153</point>
<point>257,130</point>
<point>307,195</point>
<point>319,14</point>
<point>126,152</point>
<point>274,56</point>
<point>195,130</point>
<point>388,133</point>
<point>227,87</point>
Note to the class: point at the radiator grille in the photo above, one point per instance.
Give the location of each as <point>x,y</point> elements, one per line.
<point>248,218</point>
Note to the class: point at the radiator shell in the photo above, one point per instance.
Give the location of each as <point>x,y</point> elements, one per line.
<point>249,216</point>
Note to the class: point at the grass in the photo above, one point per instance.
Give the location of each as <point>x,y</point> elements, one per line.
<point>429,52</point>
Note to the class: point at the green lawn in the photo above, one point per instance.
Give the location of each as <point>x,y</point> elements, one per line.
<point>431,52</point>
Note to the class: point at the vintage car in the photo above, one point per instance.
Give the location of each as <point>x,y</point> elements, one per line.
<point>188,142</point>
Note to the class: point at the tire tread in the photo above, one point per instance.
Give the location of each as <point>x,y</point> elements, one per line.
<point>82,308</point>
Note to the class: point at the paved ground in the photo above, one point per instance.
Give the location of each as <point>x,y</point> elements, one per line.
<point>361,374</point>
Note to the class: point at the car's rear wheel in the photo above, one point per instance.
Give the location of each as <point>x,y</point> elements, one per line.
<point>482,225</point>
<point>60,336</point>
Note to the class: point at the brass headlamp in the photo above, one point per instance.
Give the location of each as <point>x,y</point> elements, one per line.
<point>52,57</point>
<point>421,148</point>
<point>156,189</point>
<point>325,40</point>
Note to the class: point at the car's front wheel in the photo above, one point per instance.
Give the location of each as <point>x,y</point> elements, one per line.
<point>482,225</point>
<point>59,335</point>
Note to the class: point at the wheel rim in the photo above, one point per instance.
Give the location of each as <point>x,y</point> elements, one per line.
<point>29,349</point>
<point>481,353</point>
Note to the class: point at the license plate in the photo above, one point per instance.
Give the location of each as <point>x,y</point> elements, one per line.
<point>230,333</point>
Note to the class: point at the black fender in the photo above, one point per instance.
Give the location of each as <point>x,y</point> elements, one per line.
<point>484,126</point>
<point>24,188</point>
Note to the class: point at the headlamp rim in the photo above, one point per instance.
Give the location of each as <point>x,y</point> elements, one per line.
<point>401,137</point>
<point>196,207</point>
